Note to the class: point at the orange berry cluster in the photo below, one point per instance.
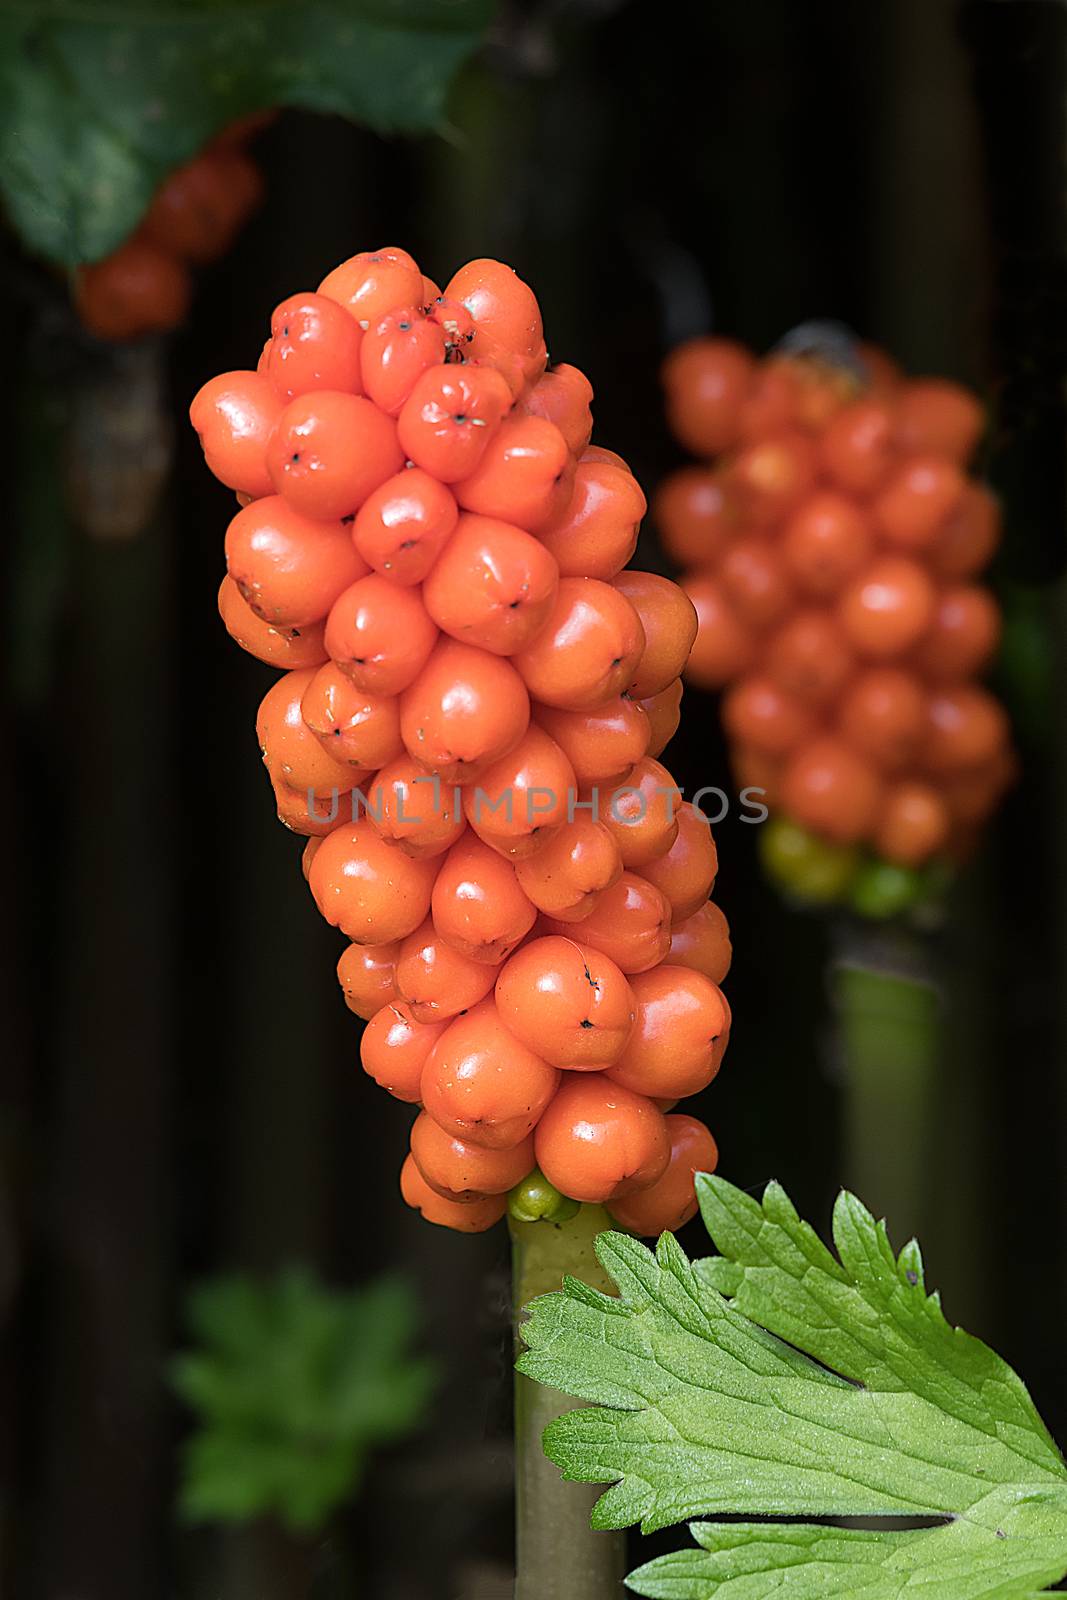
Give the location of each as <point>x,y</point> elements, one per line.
<point>832,547</point>
<point>145,286</point>
<point>474,700</point>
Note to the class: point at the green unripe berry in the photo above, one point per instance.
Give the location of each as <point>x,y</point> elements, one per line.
<point>536,1200</point>
<point>807,867</point>
<point>882,890</point>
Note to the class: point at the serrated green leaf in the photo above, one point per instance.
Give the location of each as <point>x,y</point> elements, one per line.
<point>100,100</point>
<point>780,1380</point>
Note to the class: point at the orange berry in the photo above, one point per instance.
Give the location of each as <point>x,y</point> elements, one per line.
<point>503,307</point>
<point>597,1140</point>
<point>329,451</point>
<point>395,1048</point>
<point>595,533</point>
<point>588,649</point>
<point>670,1202</point>
<point>757,712</point>
<point>664,713</point>
<point>883,716</point>
<point>856,450</point>
<point>685,874</point>
<point>630,923</point>
<point>568,1002</point>
<point>350,724</point>
<point>374,282</point>
<point>463,1216</point>
<point>367,974</point>
<point>372,891</point>
<point>883,375</point>
<point>963,635</point>
<point>524,474</point>
<point>916,501</point>
<point>772,403</point>
<point>522,799</point>
<point>493,585</point>
<point>562,395</point>
<point>449,418</point>
<point>702,942</point>
<point>724,646</point>
<point>693,515</point>
<point>972,794</point>
<point>601,745</point>
<point>138,289</point>
<point>757,771</point>
<point>479,907</point>
<point>568,873</point>
<point>291,752</point>
<point>401,529</point>
<point>966,727</point>
<point>287,647</point>
<point>313,816</point>
<point>913,826</point>
<point>289,569</point>
<point>642,813</point>
<point>820,388</point>
<point>669,621</point>
<point>671,1052</point>
<point>414,810</point>
<point>939,418</point>
<point>608,458</point>
<point>465,709</point>
<point>754,581</point>
<point>825,542</point>
<point>483,1085</point>
<point>706,381</point>
<point>193,213</point>
<point>314,344</point>
<point>887,608</point>
<point>770,476</point>
<point>234,414</point>
<point>464,1172</point>
<point>396,352</point>
<point>969,538</point>
<point>808,657</point>
<point>828,788</point>
<point>434,981</point>
<point>380,634</point>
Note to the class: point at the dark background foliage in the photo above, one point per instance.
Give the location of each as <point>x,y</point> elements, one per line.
<point>183,1094</point>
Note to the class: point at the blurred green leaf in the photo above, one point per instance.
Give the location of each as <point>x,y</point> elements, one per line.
<point>100,99</point>
<point>294,1386</point>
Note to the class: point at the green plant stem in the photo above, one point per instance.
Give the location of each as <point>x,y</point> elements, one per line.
<point>558,1555</point>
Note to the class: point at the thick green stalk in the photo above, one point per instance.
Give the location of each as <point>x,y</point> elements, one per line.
<point>558,1555</point>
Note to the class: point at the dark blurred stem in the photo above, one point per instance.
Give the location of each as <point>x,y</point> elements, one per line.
<point>558,1555</point>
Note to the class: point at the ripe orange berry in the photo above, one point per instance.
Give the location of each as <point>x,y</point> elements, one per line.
<point>601,745</point>
<point>641,813</point>
<point>520,800</point>
<point>828,788</point>
<point>595,533</point>
<point>568,1002</point>
<point>916,501</point>
<point>772,404</point>
<point>401,529</point>
<point>138,289</point>
<point>671,1051</point>
<point>413,809</point>
<point>808,657</point>
<point>195,212</point>
<point>504,309</point>
<point>597,1140</point>
<point>702,942</point>
<point>914,824</point>
<point>882,715</point>
<point>970,537</point>
<point>493,585</point>
<point>524,475</point>
<point>329,451</point>
<point>291,752</point>
<point>826,541</point>
<point>465,709</point>
<point>367,974</point>
<point>588,649</point>
<point>464,1216</point>
<point>770,476</point>
<point>289,569</point>
<point>757,772</point>
<point>434,981</point>
<point>312,816</point>
<point>963,635</point>
<point>609,458</point>
<point>374,282</point>
<point>463,1172</point>
<point>314,344</point>
<point>664,713</point>
<point>758,713</point>
<point>724,646</point>
<point>482,1084</point>
<point>670,1202</point>
<point>939,418</point>
<point>350,724</point>
<point>669,622</point>
<point>856,451</point>
<point>966,727</point>
<point>630,923</point>
<point>449,418</point>
<point>394,1048</point>
<point>886,609</point>
<point>479,907</point>
<point>396,352</point>
<point>562,395</point>
<point>287,647</point>
<point>380,634</point>
<point>234,414</point>
<point>753,577</point>
<point>568,873</point>
<point>372,891</point>
<point>693,514</point>
<point>685,874</point>
<point>705,382</point>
